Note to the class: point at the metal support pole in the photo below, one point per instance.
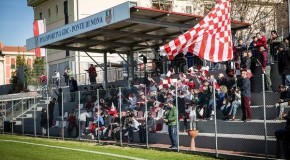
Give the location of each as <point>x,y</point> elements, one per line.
<point>288,1</point>
<point>47,115</point>
<point>131,63</point>
<point>215,122</point>
<point>105,71</point>
<point>3,115</point>
<point>177,119</point>
<point>12,125</point>
<point>22,120</point>
<point>120,110</point>
<point>62,127</point>
<point>94,61</point>
<point>34,118</point>
<point>79,116</point>
<point>146,118</point>
<point>98,100</point>
<point>265,122</point>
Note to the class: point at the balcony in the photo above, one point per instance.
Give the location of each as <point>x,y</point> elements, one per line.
<point>34,3</point>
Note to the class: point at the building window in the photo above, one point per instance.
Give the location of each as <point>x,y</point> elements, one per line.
<point>13,66</point>
<point>188,9</point>
<point>49,13</point>
<point>56,9</point>
<point>65,10</point>
<point>67,53</point>
<point>40,15</point>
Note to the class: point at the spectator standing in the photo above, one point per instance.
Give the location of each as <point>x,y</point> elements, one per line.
<point>73,87</point>
<point>170,119</point>
<point>274,42</point>
<point>253,48</point>
<point>66,76</point>
<point>92,74</point>
<point>246,61</point>
<point>266,68</point>
<point>246,96</point>
<point>43,82</point>
<point>239,49</point>
<point>50,111</point>
<point>43,121</point>
<point>261,41</point>
<point>284,64</point>
<point>56,78</point>
<point>59,101</point>
<point>72,124</point>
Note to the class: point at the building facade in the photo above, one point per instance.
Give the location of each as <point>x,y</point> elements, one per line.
<point>8,61</point>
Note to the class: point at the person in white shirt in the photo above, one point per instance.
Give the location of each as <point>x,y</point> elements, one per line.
<point>83,118</point>
<point>57,78</point>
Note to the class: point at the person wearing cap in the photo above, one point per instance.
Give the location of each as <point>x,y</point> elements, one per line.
<point>284,63</point>
<point>170,119</point>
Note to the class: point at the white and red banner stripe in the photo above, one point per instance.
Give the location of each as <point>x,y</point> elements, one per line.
<point>39,28</point>
<point>210,39</point>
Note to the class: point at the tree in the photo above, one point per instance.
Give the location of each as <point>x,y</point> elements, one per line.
<point>262,15</point>
<point>38,70</point>
<point>22,68</point>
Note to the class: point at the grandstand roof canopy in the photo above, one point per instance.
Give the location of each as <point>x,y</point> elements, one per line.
<point>120,29</point>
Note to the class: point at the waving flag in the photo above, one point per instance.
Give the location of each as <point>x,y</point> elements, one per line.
<point>210,39</point>
<point>39,28</point>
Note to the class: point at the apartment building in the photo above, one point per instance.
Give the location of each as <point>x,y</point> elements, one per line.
<point>8,60</point>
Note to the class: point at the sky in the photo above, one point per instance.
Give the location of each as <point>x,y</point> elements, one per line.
<point>16,19</point>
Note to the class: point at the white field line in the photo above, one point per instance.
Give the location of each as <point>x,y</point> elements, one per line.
<point>74,149</point>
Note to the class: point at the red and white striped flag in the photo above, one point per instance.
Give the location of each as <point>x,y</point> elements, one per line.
<point>39,28</point>
<point>210,39</point>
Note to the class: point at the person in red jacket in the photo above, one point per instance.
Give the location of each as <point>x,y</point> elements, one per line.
<point>92,74</point>
<point>261,41</point>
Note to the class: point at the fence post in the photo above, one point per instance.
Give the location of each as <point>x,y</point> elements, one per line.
<point>34,118</point>
<point>146,118</point>
<point>22,120</point>
<point>12,125</point>
<point>120,110</point>
<point>177,119</point>
<point>3,114</point>
<point>62,126</point>
<point>48,118</point>
<point>215,122</point>
<point>98,100</point>
<point>265,122</point>
<point>79,123</point>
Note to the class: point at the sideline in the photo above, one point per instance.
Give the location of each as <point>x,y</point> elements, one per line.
<point>74,149</point>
